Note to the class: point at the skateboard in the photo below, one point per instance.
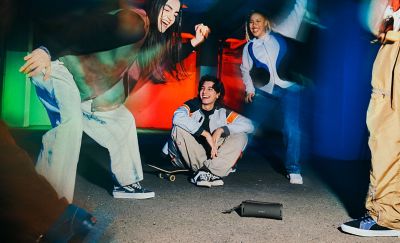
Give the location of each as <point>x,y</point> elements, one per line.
<point>167,174</point>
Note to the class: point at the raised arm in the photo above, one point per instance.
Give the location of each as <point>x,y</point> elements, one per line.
<point>89,33</point>
<point>289,25</point>
<point>201,33</point>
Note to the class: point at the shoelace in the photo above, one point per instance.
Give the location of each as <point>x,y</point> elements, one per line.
<point>366,219</point>
<point>136,185</point>
<point>366,222</point>
<point>205,177</point>
<point>202,175</point>
<point>214,177</point>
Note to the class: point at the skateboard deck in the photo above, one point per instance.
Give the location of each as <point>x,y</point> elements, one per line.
<point>167,174</point>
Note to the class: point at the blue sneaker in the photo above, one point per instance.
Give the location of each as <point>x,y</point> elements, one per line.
<point>135,191</point>
<point>366,226</point>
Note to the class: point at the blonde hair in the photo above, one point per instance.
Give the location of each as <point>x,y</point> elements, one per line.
<point>249,36</point>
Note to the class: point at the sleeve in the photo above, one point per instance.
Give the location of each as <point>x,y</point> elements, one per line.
<point>378,10</point>
<point>183,119</point>
<point>95,32</point>
<point>187,48</point>
<point>290,25</point>
<point>237,123</point>
<point>245,68</point>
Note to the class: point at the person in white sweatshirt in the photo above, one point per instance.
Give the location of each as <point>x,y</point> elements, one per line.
<point>265,82</point>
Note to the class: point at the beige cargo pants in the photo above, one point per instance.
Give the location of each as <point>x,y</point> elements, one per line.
<point>194,155</point>
<point>383,120</point>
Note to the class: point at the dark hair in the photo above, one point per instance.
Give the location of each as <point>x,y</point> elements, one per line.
<point>218,86</point>
<point>161,51</point>
<point>249,35</point>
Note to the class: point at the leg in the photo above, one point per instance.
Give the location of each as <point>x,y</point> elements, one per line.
<point>229,151</point>
<point>191,152</point>
<point>383,116</point>
<point>383,120</point>
<point>116,131</point>
<point>59,155</point>
<point>291,104</point>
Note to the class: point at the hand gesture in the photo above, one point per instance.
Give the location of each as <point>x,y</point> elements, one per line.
<point>211,142</point>
<point>36,62</point>
<point>217,134</point>
<point>202,32</point>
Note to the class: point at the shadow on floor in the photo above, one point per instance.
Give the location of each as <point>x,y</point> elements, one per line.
<point>348,180</point>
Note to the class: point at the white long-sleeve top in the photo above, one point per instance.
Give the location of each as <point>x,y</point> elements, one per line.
<point>396,17</point>
<point>379,10</point>
<point>266,50</point>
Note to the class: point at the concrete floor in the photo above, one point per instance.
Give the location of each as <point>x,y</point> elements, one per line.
<point>332,193</point>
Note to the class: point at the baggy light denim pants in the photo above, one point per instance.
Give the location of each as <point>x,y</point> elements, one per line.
<point>289,102</point>
<point>115,130</point>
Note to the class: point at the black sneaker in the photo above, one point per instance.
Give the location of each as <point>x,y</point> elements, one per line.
<point>134,191</point>
<point>206,179</point>
<point>366,226</point>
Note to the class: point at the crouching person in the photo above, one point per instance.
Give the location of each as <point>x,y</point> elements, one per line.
<point>206,137</point>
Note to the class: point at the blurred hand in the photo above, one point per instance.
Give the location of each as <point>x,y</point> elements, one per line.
<point>202,32</point>
<point>249,97</point>
<point>36,62</point>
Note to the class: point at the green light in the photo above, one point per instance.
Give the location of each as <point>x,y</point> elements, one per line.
<point>21,107</point>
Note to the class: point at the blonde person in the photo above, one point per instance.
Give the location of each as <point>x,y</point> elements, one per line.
<point>264,83</point>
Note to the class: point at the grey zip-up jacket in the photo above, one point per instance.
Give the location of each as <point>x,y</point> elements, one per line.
<point>190,118</point>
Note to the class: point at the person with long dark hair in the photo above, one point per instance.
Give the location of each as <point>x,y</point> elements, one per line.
<point>95,66</point>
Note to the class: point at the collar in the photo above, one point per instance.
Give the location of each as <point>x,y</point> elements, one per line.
<point>266,37</point>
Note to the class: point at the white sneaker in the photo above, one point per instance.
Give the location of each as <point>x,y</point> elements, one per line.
<point>295,179</point>
<point>206,179</point>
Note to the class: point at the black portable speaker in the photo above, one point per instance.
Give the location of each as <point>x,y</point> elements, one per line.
<point>251,208</point>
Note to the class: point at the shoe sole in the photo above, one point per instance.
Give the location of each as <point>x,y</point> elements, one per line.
<point>296,182</point>
<point>217,183</point>
<point>369,233</point>
<point>210,183</point>
<point>133,196</point>
<point>204,184</point>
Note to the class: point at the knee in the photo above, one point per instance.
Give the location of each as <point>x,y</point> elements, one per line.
<point>240,140</point>
<point>178,132</point>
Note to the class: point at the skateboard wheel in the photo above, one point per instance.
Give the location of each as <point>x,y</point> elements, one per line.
<point>160,175</point>
<point>171,177</point>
